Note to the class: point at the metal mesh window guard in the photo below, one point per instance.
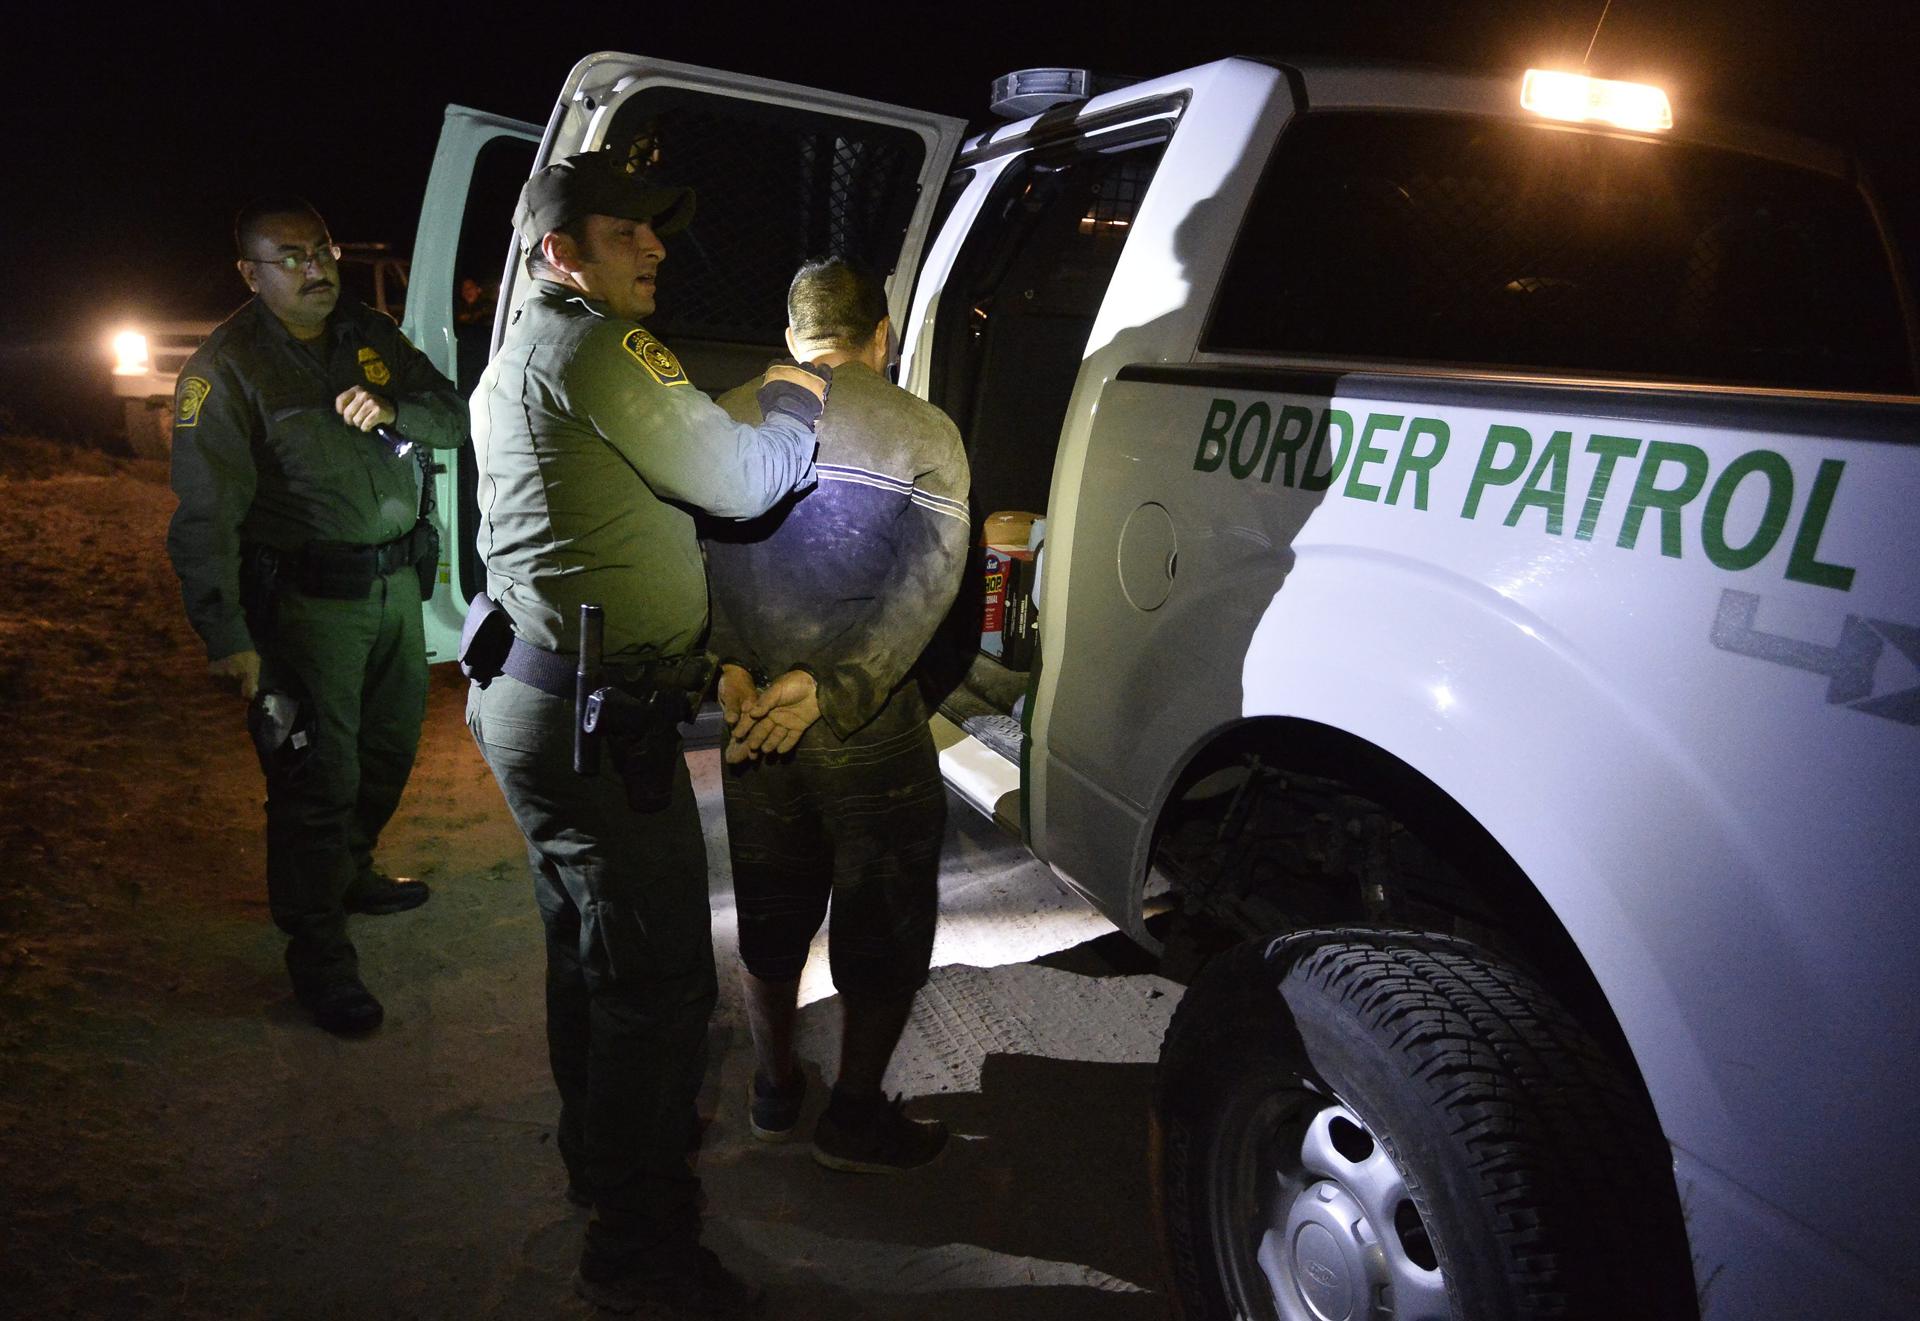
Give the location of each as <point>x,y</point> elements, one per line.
<point>776,186</point>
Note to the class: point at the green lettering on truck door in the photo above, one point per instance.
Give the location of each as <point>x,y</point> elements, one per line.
<point>1366,452</point>
<point>1411,461</point>
<point>1331,418</point>
<point>1804,566</point>
<point>1213,436</point>
<point>1288,436</point>
<point>1552,496</point>
<point>1669,500</point>
<point>1489,471</point>
<point>1611,450</point>
<point>1773,519</point>
<point>1255,412</point>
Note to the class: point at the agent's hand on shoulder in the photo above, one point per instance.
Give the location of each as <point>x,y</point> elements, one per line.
<point>243,666</point>
<point>812,378</point>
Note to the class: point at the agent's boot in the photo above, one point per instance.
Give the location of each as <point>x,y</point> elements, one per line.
<point>344,1007</point>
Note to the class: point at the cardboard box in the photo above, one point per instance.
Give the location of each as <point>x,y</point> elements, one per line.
<point>1009,624</point>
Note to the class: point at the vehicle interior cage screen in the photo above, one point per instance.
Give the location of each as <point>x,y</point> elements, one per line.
<point>776,186</point>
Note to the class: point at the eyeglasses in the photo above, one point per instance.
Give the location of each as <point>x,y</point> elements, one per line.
<point>299,261</point>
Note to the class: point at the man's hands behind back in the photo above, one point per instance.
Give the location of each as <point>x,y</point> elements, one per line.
<point>770,721</point>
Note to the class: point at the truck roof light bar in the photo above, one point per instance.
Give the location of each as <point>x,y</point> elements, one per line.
<point>1580,99</point>
<point>1027,92</point>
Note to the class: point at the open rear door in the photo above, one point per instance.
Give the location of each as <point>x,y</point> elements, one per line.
<point>461,252</point>
<point>782,174</point>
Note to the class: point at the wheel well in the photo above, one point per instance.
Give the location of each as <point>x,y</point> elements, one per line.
<point>1278,823</point>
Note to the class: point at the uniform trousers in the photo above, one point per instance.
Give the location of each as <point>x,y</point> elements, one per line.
<point>630,974</point>
<point>361,667</point>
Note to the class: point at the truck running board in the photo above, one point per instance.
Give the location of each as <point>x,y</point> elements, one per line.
<point>982,773</point>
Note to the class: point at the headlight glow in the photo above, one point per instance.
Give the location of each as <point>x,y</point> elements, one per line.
<point>130,355</point>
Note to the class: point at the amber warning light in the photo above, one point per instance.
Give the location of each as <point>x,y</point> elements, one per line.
<point>1576,97</point>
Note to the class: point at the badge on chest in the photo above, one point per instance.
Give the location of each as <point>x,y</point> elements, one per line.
<point>374,368</point>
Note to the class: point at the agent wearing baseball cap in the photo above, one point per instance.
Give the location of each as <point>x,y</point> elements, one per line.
<point>594,449</point>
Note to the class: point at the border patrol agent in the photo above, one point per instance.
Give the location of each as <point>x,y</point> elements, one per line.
<point>593,445</point>
<point>837,594</point>
<point>303,559</point>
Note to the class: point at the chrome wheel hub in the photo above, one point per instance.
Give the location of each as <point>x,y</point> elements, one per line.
<point>1343,1240</point>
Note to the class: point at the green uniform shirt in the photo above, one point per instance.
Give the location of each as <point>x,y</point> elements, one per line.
<point>592,444</point>
<point>260,456</point>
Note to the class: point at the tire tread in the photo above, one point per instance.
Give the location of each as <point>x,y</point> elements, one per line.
<point>1560,1146</point>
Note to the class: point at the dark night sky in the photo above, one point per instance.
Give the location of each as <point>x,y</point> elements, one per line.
<point>133,146</point>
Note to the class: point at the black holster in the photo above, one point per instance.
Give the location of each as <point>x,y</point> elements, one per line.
<point>426,556</point>
<point>259,588</point>
<point>640,728</point>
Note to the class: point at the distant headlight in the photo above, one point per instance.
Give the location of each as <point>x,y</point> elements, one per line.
<point>130,355</point>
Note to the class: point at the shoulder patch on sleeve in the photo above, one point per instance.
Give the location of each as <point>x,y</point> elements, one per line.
<point>655,357</point>
<point>193,393</point>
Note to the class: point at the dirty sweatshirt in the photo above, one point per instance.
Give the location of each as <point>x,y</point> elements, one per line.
<point>850,580</point>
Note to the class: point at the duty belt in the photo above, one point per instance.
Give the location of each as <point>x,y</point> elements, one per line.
<point>489,646</point>
<point>387,557</point>
<point>553,671</point>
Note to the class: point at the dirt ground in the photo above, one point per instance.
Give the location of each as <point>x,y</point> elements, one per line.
<point>178,1140</point>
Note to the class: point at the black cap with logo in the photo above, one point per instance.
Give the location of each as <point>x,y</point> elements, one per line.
<point>594,183</point>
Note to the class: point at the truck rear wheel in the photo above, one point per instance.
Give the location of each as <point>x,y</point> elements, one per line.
<point>1372,1124</point>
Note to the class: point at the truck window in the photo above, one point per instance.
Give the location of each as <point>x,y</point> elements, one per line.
<point>775,186</point>
<point>1446,239</point>
<point>1020,301</point>
<point>486,238</point>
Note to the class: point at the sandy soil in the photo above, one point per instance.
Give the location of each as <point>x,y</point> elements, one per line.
<point>177,1140</point>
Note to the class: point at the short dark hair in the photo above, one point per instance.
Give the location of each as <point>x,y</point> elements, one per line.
<point>537,264</point>
<point>833,301</point>
<point>246,225</point>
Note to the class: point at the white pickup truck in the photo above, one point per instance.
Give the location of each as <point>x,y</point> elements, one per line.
<point>1479,604</point>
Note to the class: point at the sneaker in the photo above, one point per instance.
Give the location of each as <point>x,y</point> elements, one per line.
<point>773,1113</point>
<point>345,1008</point>
<point>688,1282</point>
<point>875,1137</point>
